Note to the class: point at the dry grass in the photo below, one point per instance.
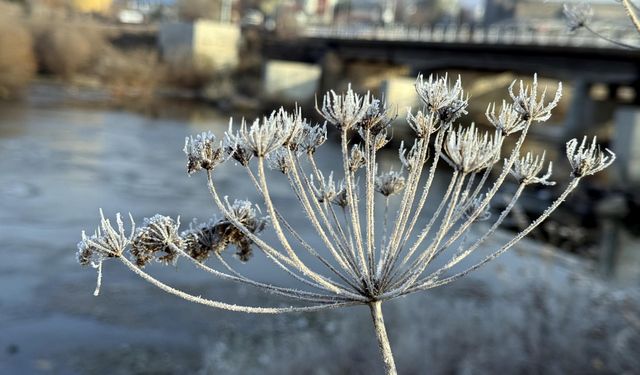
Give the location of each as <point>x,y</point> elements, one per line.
<point>134,74</point>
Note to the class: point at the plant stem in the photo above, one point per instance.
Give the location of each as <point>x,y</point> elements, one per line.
<point>383,340</point>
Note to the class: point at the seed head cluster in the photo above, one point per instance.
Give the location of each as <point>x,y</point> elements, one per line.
<point>327,236</point>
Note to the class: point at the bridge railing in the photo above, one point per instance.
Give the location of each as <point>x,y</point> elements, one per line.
<point>465,34</point>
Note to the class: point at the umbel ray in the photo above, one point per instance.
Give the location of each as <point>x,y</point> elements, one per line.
<point>353,260</point>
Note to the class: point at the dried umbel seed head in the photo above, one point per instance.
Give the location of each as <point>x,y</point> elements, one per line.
<point>246,214</point>
<point>587,159</point>
<point>264,135</point>
<point>293,126</point>
<point>389,183</point>
<point>346,110</point>
<point>326,190</point>
<point>380,140</point>
<point>508,121</point>
<point>422,123</point>
<point>378,118</point>
<point>158,237</point>
<point>472,207</point>
<point>470,152</point>
<point>341,199</point>
<point>411,159</point>
<point>106,242</point>
<point>235,148</point>
<point>312,137</point>
<point>527,168</point>
<point>201,239</point>
<point>356,158</point>
<point>202,152</point>
<point>527,104</point>
<point>446,101</point>
<point>577,15</point>
<point>279,160</point>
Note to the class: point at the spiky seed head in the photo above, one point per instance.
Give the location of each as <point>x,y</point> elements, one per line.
<point>326,190</point>
<point>446,101</point>
<point>423,123</point>
<point>508,120</point>
<point>470,152</point>
<point>156,238</point>
<point>377,119</point>
<point>293,126</point>
<point>312,137</point>
<point>235,148</point>
<point>410,159</point>
<point>341,198</point>
<point>279,160</point>
<point>264,135</point>
<point>389,183</point>
<point>246,213</point>
<point>586,159</point>
<point>202,152</point>
<point>527,168</point>
<point>577,15</point>
<point>201,239</point>
<point>527,103</point>
<point>380,140</point>
<point>106,242</point>
<point>356,158</point>
<point>346,110</point>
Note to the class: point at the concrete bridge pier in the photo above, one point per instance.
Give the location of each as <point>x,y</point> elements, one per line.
<point>289,82</point>
<point>579,119</point>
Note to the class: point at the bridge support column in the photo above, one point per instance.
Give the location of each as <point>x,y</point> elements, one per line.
<point>619,254</point>
<point>580,114</point>
<point>400,93</point>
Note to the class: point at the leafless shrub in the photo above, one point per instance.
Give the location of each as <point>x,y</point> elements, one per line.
<point>191,10</point>
<point>66,49</point>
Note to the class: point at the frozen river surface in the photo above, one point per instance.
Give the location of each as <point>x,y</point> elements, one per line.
<point>531,311</point>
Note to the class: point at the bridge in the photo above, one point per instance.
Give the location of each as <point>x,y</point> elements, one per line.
<point>551,51</point>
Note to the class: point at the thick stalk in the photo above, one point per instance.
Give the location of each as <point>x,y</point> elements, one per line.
<point>383,339</point>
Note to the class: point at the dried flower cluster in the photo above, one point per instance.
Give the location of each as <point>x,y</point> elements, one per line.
<point>580,16</point>
<point>354,261</point>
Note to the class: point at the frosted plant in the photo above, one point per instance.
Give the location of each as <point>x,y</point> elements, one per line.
<point>580,16</point>
<point>357,258</point>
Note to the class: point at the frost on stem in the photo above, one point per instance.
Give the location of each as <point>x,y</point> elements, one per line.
<point>349,262</point>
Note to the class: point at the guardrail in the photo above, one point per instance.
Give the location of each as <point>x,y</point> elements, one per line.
<point>465,34</point>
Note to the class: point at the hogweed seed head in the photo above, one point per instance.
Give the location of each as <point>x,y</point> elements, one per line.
<point>508,121</point>
<point>235,147</point>
<point>202,152</point>
<point>377,119</point>
<point>587,159</point>
<point>341,198</point>
<point>106,242</point>
<point>422,123</point>
<point>156,238</point>
<point>279,160</point>
<point>246,214</point>
<point>264,135</point>
<point>312,137</point>
<point>527,168</point>
<point>446,101</point>
<point>527,103</point>
<point>326,190</point>
<point>346,110</point>
<point>389,183</point>
<point>202,239</point>
<point>577,15</point>
<point>469,152</point>
<point>356,158</point>
<point>410,159</point>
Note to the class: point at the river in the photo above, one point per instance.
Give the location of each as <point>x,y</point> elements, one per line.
<point>59,164</point>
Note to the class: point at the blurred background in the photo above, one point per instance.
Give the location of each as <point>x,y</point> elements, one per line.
<point>96,97</point>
